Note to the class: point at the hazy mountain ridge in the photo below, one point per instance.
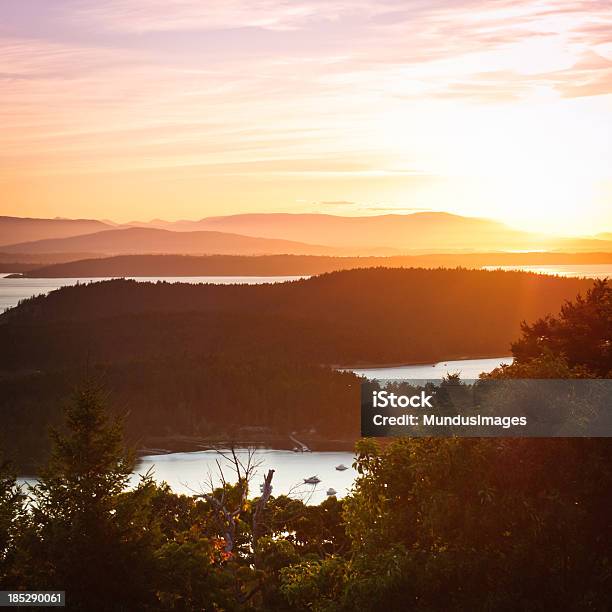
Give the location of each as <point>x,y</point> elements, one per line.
<point>152,240</point>
<point>411,232</point>
<point>285,233</point>
<point>421,232</point>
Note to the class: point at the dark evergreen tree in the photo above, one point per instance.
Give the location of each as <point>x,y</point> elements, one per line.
<point>581,335</point>
<point>85,539</point>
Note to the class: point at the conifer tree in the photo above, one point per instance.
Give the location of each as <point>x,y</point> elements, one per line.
<point>90,543</point>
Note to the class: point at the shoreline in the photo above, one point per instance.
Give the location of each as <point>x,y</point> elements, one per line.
<point>23,276</point>
<point>192,444</point>
<point>196,445</point>
<point>352,368</point>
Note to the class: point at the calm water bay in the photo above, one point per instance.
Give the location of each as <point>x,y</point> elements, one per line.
<point>190,473</point>
<point>467,368</point>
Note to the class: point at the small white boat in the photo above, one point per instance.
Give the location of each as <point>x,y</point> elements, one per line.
<point>312,480</point>
<point>331,491</point>
<point>341,467</point>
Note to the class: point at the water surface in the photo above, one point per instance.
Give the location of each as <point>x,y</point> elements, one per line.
<point>190,473</point>
<point>570,270</point>
<point>467,368</point>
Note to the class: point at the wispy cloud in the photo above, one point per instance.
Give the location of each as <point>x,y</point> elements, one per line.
<point>385,92</point>
<point>177,15</point>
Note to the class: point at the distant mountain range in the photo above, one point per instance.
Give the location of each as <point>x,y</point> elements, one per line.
<point>414,232</point>
<point>282,233</point>
<point>140,240</point>
<point>422,232</point>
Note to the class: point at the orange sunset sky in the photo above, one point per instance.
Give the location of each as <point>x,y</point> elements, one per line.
<point>135,109</point>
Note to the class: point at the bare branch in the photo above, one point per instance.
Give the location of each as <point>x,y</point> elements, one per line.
<point>259,510</point>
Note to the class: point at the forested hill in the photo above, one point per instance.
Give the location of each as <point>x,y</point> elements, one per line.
<point>209,360</point>
<point>357,316</point>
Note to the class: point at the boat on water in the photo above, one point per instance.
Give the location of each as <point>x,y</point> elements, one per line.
<point>341,467</point>
<point>312,480</point>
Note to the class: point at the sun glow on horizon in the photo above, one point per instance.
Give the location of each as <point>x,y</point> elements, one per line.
<point>185,109</point>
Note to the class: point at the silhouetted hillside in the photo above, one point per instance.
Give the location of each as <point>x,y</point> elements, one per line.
<point>393,295</point>
<point>209,359</point>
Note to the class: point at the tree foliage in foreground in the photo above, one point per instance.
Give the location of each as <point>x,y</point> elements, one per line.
<point>111,547</point>
<point>471,524</point>
<point>432,524</point>
<point>578,342</point>
<point>483,524</point>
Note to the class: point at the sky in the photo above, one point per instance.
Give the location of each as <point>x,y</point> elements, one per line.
<point>181,109</point>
